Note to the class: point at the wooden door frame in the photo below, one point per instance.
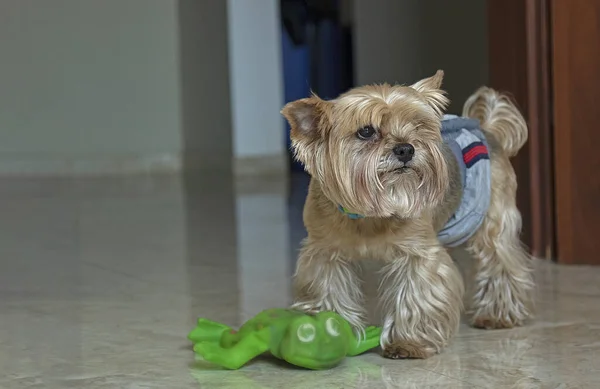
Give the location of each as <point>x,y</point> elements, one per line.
<point>576,58</point>
<point>519,57</point>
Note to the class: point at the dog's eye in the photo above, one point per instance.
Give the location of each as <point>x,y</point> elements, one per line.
<point>366,132</point>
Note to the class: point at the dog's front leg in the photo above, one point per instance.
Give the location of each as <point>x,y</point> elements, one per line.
<point>421,292</point>
<point>325,281</point>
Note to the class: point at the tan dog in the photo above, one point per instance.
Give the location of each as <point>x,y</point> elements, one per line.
<point>377,151</point>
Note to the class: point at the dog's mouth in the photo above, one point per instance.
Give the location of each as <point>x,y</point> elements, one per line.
<point>401,170</point>
<point>395,167</point>
<point>397,172</point>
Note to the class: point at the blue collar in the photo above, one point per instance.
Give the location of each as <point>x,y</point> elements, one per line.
<point>349,214</point>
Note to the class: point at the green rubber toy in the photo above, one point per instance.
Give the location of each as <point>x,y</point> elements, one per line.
<point>319,341</point>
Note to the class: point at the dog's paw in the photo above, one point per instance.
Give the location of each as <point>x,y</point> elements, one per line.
<point>490,323</point>
<point>500,308</point>
<point>407,350</point>
<point>306,307</point>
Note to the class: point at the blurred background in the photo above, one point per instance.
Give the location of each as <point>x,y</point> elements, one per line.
<point>117,86</point>
<point>145,172</point>
<point>163,86</point>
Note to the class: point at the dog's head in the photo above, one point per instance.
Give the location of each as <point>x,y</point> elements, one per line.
<point>375,150</point>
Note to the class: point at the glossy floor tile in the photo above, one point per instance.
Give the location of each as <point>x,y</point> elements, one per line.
<point>101,280</point>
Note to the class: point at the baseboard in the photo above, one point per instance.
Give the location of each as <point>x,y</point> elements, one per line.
<point>261,174</point>
<point>76,165</point>
<point>269,166</point>
<point>263,165</point>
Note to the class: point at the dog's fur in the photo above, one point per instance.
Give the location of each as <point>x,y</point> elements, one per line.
<point>404,206</point>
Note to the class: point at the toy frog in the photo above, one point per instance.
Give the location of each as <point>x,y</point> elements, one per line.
<point>319,341</point>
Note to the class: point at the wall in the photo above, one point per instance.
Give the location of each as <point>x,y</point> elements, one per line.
<point>256,78</point>
<point>88,84</point>
<point>204,81</point>
<point>405,40</point>
<point>118,86</point>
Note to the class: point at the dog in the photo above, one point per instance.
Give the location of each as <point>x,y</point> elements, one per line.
<point>394,179</point>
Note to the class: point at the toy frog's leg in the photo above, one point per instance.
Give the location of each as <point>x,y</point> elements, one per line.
<point>234,357</point>
<point>371,340</point>
<point>208,331</point>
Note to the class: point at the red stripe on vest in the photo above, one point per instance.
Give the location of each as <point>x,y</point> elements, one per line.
<point>475,151</point>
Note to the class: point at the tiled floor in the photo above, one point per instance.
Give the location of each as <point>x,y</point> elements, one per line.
<point>101,279</point>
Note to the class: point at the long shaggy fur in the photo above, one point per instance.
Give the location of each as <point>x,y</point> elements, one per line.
<point>405,204</point>
<point>423,302</point>
<point>327,282</point>
<point>503,292</point>
<point>500,117</point>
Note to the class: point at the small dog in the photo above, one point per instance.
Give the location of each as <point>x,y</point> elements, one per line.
<point>393,179</point>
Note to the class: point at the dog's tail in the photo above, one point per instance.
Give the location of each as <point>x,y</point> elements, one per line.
<point>498,116</point>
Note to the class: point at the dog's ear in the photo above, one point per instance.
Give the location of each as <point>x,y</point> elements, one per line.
<point>307,118</point>
<point>431,83</point>
<point>430,90</point>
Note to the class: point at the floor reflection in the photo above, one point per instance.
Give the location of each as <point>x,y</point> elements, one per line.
<point>102,278</point>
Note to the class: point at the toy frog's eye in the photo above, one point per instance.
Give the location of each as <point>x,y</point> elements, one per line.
<point>332,326</point>
<point>306,332</point>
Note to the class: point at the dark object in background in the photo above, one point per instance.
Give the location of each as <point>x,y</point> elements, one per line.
<point>296,14</point>
<point>317,52</point>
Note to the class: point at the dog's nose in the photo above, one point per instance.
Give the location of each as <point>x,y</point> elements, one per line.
<point>404,151</point>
